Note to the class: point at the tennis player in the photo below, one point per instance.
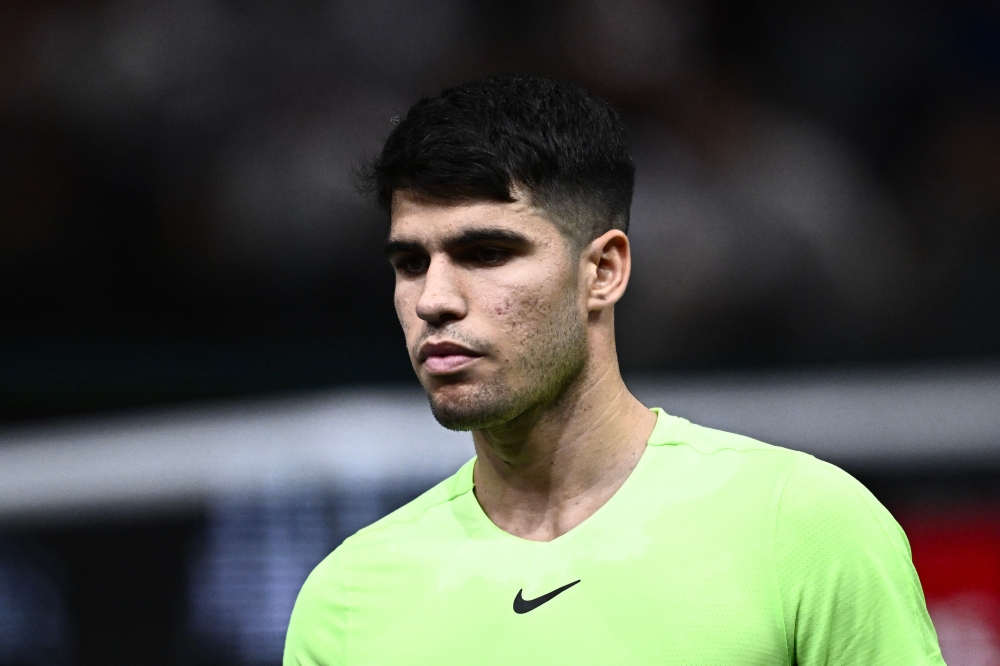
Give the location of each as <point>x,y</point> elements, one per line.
<point>588,529</point>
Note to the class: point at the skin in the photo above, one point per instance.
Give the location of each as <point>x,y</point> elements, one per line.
<point>510,329</point>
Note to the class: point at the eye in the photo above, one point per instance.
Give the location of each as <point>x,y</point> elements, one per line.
<point>490,256</point>
<point>412,264</point>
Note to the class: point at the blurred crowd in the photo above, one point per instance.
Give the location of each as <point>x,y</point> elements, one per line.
<point>817,182</point>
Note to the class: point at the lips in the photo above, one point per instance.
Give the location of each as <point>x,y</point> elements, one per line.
<point>441,358</point>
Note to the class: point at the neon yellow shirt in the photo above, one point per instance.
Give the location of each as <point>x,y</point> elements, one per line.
<point>717,549</point>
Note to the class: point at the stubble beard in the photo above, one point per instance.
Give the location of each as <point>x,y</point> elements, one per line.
<point>549,367</point>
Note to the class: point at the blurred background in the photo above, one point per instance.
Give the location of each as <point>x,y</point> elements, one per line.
<point>198,351</point>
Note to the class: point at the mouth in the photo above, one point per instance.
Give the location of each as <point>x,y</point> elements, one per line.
<point>443,358</point>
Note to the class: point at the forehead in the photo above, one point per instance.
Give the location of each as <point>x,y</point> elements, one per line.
<point>429,222</point>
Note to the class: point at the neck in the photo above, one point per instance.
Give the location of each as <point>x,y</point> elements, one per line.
<point>548,470</point>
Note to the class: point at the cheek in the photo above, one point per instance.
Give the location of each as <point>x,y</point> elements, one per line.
<point>522,311</point>
<point>521,305</point>
<point>405,311</point>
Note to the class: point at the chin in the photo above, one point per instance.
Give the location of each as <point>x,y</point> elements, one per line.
<point>471,406</point>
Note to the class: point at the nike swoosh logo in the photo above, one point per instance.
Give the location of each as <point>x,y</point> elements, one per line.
<point>522,605</point>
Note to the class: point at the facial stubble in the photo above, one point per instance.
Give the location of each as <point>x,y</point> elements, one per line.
<point>553,356</point>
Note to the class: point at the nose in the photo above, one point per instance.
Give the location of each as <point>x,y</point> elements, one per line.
<point>441,299</point>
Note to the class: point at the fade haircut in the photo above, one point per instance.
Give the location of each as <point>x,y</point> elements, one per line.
<point>562,149</point>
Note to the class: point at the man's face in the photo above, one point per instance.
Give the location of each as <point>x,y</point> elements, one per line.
<point>489,298</point>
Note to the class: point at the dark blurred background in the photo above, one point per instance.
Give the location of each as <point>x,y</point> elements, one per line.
<point>818,186</point>
<point>818,182</point>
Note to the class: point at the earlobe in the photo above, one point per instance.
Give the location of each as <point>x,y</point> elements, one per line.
<point>610,263</point>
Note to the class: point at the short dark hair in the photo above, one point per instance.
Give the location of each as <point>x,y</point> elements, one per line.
<point>564,148</point>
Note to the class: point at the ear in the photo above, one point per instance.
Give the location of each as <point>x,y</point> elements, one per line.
<point>607,263</point>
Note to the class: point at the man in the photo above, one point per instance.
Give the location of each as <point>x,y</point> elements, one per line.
<point>588,529</point>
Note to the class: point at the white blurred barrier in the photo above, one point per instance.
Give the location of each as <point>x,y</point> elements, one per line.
<point>168,459</point>
<point>871,419</point>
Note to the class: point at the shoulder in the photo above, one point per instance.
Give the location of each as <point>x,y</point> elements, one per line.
<point>673,431</point>
<point>709,440</point>
<point>823,506</point>
<point>821,517</point>
<point>806,482</point>
<point>753,464</point>
<point>397,532</point>
<point>817,488</point>
<point>803,490</point>
<point>844,573</point>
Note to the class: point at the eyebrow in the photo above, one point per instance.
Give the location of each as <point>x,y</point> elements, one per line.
<point>395,246</point>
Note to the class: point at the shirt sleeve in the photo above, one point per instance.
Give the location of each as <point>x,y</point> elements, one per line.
<point>317,627</point>
<point>850,594</point>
